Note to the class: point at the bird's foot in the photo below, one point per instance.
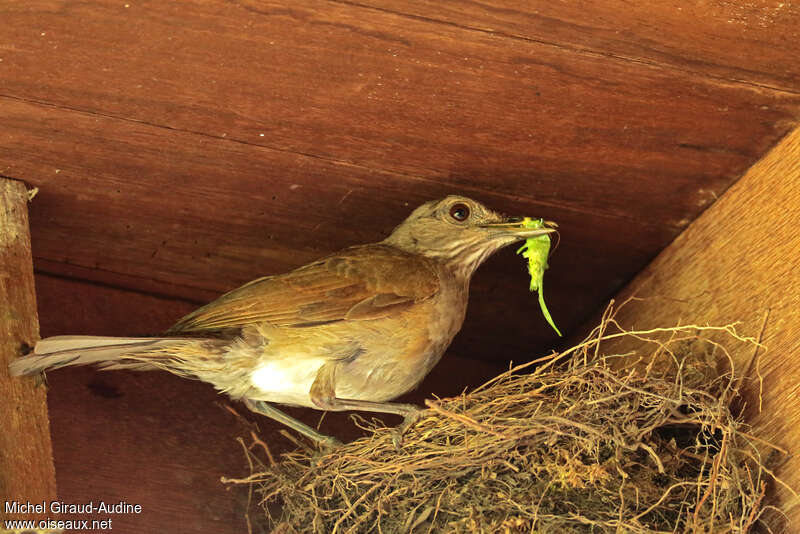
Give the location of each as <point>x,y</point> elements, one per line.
<point>410,418</point>
<point>328,442</point>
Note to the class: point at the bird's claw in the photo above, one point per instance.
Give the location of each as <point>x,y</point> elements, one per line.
<point>408,421</point>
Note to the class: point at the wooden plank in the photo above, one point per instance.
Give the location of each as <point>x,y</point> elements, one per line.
<point>157,440</point>
<point>756,41</point>
<point>26,458</point>
<point>381,90</point>
<point>739,261</point>
<point>182,214</point>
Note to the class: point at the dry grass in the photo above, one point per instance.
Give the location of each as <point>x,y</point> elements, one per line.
<point>569,443</point>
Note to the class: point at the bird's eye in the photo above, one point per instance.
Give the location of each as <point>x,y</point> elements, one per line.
<point>459,212</point>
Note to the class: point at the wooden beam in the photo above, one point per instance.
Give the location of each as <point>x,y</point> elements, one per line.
<point>369,88</point>
<point>740,261</point>
<point>26,456</point>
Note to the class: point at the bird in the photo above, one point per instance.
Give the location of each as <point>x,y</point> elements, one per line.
<point>351,331</point>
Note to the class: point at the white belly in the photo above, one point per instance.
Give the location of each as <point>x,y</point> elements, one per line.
<point>285,380</point>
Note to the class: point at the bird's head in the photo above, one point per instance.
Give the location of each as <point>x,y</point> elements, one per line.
<point>460,232</point>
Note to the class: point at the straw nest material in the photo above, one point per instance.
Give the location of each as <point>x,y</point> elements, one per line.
<point>568,443</point>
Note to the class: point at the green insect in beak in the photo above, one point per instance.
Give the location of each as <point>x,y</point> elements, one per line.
<point>536,249</point>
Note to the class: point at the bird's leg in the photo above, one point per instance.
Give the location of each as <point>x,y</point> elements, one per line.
<point>261,407</point>
<point>323,396</point>
<point>410,413</point>
<point>335,404</point>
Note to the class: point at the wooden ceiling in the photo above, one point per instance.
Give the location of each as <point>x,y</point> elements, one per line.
<point>183,148</point>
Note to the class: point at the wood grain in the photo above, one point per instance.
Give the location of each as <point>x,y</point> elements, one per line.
<point>739,261</point>
<point>754,42</point>
<point>160,441</point>
<point>380,90</point>
<point>26,456</point>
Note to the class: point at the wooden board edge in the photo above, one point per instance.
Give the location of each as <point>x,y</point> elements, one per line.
<point>27,474</point>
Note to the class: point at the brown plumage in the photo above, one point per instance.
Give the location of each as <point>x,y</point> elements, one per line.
<point>348,332</point>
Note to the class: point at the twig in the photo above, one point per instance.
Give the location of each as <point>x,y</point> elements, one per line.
<point>462,418</point>
<point>259,441</point>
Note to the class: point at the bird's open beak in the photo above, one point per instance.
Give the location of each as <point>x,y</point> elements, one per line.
<point>515,227</point>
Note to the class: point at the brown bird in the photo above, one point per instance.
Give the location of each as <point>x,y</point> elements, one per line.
<point>348,332</point>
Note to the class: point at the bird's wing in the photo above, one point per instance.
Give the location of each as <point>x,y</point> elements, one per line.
<point>359,283</point>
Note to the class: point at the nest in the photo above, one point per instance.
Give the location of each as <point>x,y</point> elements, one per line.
<point>568,443</point>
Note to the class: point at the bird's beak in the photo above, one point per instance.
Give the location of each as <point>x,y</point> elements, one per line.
<point>515,227</point>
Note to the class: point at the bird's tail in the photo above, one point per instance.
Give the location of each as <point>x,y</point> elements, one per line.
<point>107,352</point>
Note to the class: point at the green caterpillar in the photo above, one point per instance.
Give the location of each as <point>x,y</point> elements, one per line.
<point>536,249</point>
